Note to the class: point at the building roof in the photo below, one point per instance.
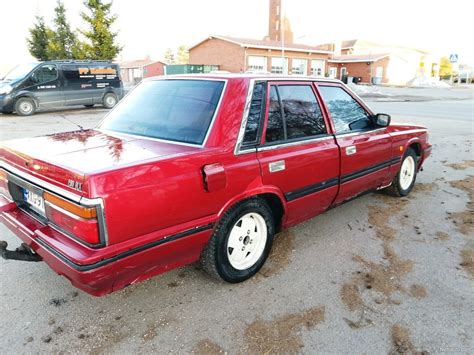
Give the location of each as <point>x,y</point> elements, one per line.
<point>128,64</point>
<point>358,58</point>
<point>267,44</point>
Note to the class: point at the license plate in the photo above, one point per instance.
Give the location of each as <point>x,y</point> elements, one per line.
<point>35,201</point>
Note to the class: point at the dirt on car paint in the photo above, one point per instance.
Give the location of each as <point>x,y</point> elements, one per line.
<point>282,335</point>
<point>462,166</point>
<point>207,347</point>
<point>280,256</point>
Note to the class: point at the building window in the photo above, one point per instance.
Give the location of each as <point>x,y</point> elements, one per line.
<point>279,66</point>
<point>298,66</point>
<point>257,63</point>
<point>317,67</point>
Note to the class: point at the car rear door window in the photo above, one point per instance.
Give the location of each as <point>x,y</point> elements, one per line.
<point>294,113</point>
<point>254,118</point>
<point>346,113</point>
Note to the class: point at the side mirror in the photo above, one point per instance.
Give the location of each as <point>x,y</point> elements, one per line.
<point>382,119</point>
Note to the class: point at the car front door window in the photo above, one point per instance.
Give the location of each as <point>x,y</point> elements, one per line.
<point>45,74</point>
<point>346,113</point>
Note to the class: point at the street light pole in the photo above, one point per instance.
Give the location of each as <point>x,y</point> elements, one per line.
<point>282,38</point>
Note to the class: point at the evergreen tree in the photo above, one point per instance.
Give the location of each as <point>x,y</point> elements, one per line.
<point>183,55</point>
<point>169,56</point>
<point>64,44</point>
<point>39,39</point>
<point>100,37</point>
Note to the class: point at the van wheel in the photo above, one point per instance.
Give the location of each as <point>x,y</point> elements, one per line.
<point>241,242</point>
<point>405,179</point>
<point>89,106</point>
<point>110,100</point>
<point>25,106</point>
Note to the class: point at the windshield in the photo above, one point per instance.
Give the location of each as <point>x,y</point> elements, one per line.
<point>175,110</point>
<point>20,71</point>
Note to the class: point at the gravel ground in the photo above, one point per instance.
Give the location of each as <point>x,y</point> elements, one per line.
<point>375,275</point>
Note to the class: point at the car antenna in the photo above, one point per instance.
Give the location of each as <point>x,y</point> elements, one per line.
<point>74,123</point>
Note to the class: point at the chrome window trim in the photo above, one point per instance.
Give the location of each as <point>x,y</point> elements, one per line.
<point>41,185</point>
<point>240,137</point>
<point>263,148</point>
<point>211,125</point>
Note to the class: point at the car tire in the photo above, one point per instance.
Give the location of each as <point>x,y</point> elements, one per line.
<point>109,100</point>
<point>25,106</point>
<point>404,181</point>
<point>241,242</point>
<point>89,106</point>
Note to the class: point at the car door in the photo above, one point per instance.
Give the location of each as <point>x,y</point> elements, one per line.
<point>365,148</point>
<point>297,154</point>
<point>77,84</point>
<point>46,86</point>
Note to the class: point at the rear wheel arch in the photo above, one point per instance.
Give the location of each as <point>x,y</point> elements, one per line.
<point>272,198</point>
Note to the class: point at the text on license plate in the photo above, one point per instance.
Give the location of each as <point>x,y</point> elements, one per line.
<point>34,200</point>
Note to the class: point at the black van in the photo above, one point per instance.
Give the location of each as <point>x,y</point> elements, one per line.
<point>44,85</point>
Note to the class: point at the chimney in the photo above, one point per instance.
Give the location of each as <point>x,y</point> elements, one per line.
<point>274,24</point>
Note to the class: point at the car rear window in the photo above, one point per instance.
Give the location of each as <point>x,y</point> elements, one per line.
<point>175,110</point>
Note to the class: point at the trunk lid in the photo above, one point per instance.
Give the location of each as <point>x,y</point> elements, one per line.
<point>65,159</point>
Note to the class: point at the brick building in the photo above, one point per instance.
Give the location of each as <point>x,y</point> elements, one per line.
<point>134,71</point>
<point>276,53</point>
<point>378,63</point>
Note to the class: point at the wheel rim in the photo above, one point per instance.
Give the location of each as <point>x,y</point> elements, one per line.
<point>407,172</point>
<point>26,107</point>
<point>110,100</point>
<point>247,241</point>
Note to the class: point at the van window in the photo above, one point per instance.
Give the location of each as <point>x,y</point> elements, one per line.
<point>20,72</point>
<point>71,72</point>
<point>45,73</point>
<point>175,110</point>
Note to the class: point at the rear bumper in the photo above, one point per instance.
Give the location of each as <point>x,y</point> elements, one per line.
<point>108,274</point>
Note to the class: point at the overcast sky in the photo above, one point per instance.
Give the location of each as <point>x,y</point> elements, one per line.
<point>148,27</point>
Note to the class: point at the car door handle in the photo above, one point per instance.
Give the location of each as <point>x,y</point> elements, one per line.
<point>351,150</point>
<point>276,166</point>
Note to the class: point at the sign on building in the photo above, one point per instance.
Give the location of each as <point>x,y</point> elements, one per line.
<point>453,58</point>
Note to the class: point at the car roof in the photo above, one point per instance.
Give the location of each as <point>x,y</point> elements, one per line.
<point>245,76</point>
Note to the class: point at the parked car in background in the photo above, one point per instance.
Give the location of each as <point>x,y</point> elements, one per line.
<point>52,84</point>
<point>191,168</point>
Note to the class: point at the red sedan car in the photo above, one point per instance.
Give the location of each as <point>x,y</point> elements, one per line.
<point>197,168</point>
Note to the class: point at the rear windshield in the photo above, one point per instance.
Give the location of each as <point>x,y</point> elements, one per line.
<point>175,110</point>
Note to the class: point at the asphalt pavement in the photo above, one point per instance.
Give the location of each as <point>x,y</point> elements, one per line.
<point>375,275</point>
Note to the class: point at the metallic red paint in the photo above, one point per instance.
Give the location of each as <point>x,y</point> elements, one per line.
<point>161,199</point>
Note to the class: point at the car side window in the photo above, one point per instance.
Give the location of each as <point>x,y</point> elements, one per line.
<point>254,118</point>
<point>346,113</point>
<point>275,129</point>
<point>294,113</point>
<point>45,74</point>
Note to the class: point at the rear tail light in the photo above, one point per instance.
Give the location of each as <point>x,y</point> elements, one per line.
<point>77,221</point>
<point>4,185</point>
